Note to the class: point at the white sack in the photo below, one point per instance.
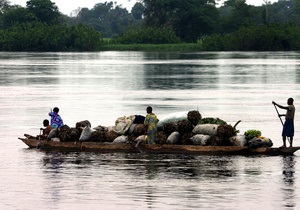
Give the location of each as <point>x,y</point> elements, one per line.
<point>120,139</point>
<point>200,139</point>
<point>206,129</point>
<point>122,124</point>
<point>238,140</point>
<point>86,133</point>
<point>174,117</point>
<point>53,134</point>
<point>174,138</point>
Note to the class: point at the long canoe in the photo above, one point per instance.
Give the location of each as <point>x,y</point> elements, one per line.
<point>156,148</point>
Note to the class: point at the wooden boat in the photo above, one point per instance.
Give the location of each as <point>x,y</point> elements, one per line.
<point>156,148</point>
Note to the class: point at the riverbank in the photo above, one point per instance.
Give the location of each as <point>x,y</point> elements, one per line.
<point>184,47</point>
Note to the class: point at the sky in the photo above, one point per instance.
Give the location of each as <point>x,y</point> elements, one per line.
<point>67,6</point>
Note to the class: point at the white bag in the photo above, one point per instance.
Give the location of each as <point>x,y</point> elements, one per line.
<point>53,134</point>
<point>206,129</point>
<point>86,133</point>
<point>174,138</point>
<point>238,140</point>
<point>175,117</point>
<point>200,139</point>
<point>120,139</point>
<point>122,124</point>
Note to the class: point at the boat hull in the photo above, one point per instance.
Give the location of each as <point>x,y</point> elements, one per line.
<point>156,148</point>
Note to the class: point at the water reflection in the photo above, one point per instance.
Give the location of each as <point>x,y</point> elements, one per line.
<point>289,181</point>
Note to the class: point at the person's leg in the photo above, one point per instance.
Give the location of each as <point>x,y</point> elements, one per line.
<point>291,141</point>
<point>284,141</point>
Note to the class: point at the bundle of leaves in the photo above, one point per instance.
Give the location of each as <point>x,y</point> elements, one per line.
<point>140,129</point>
<point>184,126</point>
<point>194,117</point>
<point>215,141</point>
<point>161,137</point>
<point>211,120</point>
<point>74,134</point>
<point>82,124</point>
<point>224,132</point>
<point>64,133</point>
<point>250,134</point>
<point>170,127</point>
<point>186,138</point>
<point>111,136</point>
<point>98,136</point>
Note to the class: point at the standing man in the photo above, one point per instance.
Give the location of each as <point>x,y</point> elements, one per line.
<point>288,126</point>
<point>56,121</point>
<point>151,125</point>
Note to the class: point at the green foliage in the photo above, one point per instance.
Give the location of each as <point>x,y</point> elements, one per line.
<point>17,15</point>
<point>240,15</point>
<point>189,19</point>
<point>182,47</point>
<point>45,10</point>
<point>274,37</point>
<point>105,18</point>
<point>137,11</point>
<point>147,35</point>
<point>37,36</point>
<point>250,134</point>
<point>211,120</point>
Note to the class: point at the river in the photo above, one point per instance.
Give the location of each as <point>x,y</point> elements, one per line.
<point>102,86</point>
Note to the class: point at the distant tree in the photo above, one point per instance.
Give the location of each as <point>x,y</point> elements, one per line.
<point>107,18</point>
<point>241,15</point>
<point>15,15</point>
<point>4,4</point>
<point>45,10</point>
<point>190,19</point>
<point>137,11</point>
<point>297,6</point>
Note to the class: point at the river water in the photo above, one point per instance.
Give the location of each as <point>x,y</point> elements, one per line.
<point>102,86</point>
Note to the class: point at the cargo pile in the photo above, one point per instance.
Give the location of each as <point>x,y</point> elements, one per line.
<point>188,128</point>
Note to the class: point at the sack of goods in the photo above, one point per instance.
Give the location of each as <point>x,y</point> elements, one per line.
<point>86,133</point>
<point>120,139</point>
<point>200,139</point>
<point>260,142</point>
<point>123,124</point>
<point>175,117</point>
<point>174,138</point>
<point>206,129</point>
<point>238,140</point>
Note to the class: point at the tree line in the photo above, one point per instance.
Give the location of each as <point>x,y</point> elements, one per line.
<point>233,26</point>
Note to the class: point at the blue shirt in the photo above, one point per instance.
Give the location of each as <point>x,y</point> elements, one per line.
<point>56,121</point>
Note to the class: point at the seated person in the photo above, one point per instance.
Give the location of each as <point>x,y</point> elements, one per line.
<point>45,131</point>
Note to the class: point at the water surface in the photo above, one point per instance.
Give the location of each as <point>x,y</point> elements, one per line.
<point>100,87</point>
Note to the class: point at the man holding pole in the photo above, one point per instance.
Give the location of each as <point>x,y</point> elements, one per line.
<point>288,126</point>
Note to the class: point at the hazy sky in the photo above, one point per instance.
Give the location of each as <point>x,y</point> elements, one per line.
<point>67,6</point>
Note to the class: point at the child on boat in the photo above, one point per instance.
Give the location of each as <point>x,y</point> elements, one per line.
<point>56,120</point>
<point>44,131</point>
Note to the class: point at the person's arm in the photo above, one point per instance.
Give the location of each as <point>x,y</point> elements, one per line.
<point>281,107</point>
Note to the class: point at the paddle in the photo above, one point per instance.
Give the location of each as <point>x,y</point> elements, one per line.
<point>280,120</point>
<point>38,140</point>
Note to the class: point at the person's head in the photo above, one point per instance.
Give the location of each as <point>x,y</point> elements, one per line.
<point>290,101</point>
<point>46,123</point>
<point>56,109</point>
<point>149,109</point>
